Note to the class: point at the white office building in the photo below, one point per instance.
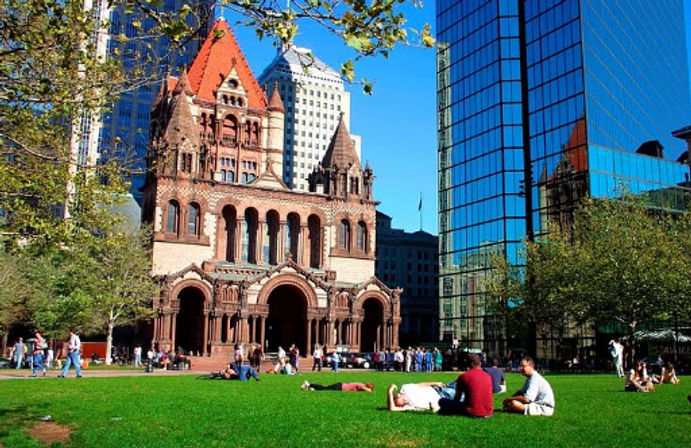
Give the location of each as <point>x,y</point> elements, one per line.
<point>314,98</point>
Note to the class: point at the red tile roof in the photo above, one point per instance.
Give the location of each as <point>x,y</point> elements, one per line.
<point>216,58</point>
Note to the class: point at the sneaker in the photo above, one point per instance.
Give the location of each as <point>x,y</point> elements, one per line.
<point>305,385</point>
<point>79,376</point>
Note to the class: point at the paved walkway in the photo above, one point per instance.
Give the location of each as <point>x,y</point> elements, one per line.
<point>12,374</point>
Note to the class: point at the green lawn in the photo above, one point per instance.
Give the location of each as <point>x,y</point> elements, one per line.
<point>181,411</point>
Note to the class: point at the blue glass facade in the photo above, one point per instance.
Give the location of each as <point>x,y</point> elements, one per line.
<point>125,129</point>
<point>539,103</point>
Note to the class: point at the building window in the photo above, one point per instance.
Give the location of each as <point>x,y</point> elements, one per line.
<point>361,240</point>
<point>173,217</point>
<point>193,220</point>
<point>344,235</point>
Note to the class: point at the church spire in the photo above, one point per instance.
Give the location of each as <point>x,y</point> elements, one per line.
<point>275,103</point>
<point>341,151</point>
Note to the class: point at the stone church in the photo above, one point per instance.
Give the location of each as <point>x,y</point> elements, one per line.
<point>243,258</point>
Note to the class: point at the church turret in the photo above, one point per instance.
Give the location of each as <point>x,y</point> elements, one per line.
<point>181,137</point>
<point>274,146</point>
<point>340,174</point>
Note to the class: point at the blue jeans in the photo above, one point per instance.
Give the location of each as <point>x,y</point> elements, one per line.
<point>19,360</point>
<point>334,366</point>
<point>38,363</point>
<point>245,372</point>
<point>72,358</point>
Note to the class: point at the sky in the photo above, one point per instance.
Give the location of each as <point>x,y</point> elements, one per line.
<point>397,122</point>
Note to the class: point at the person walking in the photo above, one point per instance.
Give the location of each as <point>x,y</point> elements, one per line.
<point>38,354</point>
<point>317,355</point>
<point>335,358</point>
<point>17,354</point>
<point>74,345</point>
<point>138,356</point>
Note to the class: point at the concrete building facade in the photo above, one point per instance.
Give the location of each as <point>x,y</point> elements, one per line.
<point>315,98</point>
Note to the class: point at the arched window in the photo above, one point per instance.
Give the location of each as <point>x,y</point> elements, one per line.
<point>193,220</point>
<point>230,176</point>
<point>344,235</point>
<point>255,133</point>
<point>173,217</point>
<point>249,236</point>
<point>361,240</point>
<point>271,240</point>
<point>292,235</point>
<point>230,130</point>
<point>229,219</point>
<point>244,178</point>
<point>314,226</point>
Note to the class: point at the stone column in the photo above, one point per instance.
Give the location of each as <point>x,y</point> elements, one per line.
<point>322,243</point>
<point>244,334</point>
<point>261,229</point>
<point>238,240</point>
<point>280,241</point>
<point>308,350</point>
<point>395,334</point>
<point>303,246</point>
<point>173,322</point>
<point>221,238</point>
<point>205,340</point>
<point>155,336</point>
<point>262,336</point>
<point>330,334</point>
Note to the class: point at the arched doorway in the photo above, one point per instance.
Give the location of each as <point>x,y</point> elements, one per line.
<point>371,325</point>
<point>287,320</point>
<point>189,323</point>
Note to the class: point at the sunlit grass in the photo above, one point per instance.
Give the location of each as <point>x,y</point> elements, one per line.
<point>181,411</point>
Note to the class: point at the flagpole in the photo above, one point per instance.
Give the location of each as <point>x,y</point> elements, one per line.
<point>419,209</point>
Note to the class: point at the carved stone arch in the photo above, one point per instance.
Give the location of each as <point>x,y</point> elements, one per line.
<point>291,280</point>
<point>233,202</point>
<point>378,295</point>
<point>201,285</point>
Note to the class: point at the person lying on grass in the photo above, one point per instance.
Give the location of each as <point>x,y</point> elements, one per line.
<point>415,397</point>
<point>345,387</point>
<point>232,373</point>
<point>535,397</point>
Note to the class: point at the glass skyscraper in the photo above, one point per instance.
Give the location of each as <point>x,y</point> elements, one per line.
<point>541,102</point>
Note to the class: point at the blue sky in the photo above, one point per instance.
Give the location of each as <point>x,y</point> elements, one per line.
<point>397,123</point>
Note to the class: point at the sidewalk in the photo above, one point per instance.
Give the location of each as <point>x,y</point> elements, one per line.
<point>12,374</point>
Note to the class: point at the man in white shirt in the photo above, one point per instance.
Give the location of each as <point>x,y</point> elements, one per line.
<point>535,397</point>
<point>415,397</point>
<point>617,351</point>
<point>73,346</point>
<point>138,356</point>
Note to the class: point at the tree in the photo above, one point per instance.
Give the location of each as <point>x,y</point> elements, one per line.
<point>120,284</point>
<point>621,261</point>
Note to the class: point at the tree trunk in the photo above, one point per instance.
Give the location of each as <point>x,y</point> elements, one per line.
<point>4,341</point>
<point>109,339</point>
<point>632,344</point>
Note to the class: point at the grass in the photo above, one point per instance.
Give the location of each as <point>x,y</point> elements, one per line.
<point>181,411</point>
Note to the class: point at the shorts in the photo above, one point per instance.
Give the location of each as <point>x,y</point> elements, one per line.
<point>538,409</point>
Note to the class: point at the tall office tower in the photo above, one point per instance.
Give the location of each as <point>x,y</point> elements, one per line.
<point>124,130</point>
<point>540,103</point>
<point>314,98</point>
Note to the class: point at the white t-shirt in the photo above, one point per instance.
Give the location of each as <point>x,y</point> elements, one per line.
<point>420,398</point>
<point>537,390</point>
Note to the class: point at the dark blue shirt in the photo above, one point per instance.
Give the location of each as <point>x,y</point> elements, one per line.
<point>497,378</point>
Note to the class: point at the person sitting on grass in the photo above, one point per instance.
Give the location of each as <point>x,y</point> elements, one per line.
<point>535,397</point>
<point>638,379</point>
<point>345,387</point>
<point>473,396</point>
<point>669,375</point>
<point>498,380</point>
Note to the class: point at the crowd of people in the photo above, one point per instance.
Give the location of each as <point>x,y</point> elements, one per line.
<point>41,354</point>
